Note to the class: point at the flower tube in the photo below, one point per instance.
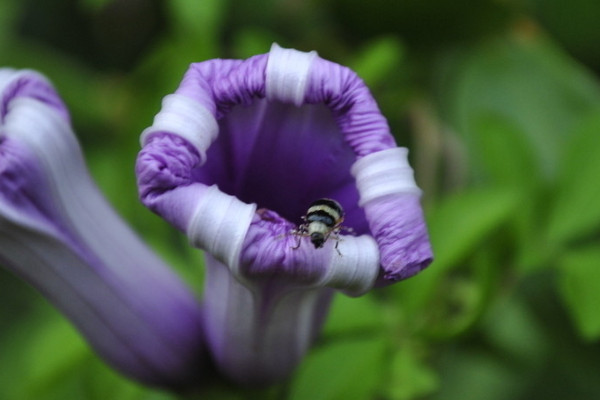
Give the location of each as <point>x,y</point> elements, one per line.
<point>58,233</point>
<point>234,159</point>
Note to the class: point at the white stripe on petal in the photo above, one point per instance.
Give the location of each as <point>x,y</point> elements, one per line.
<point>185,117</point>
<point>219,226</point>
<point>383,173</point>
<point>258,335</point>
<point>287,74</point>
<point>354,269</point>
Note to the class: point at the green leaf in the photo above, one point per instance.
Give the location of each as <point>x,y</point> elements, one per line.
<point>200,19</point>
<point>579,287</point>
<point>55,353</point>
<point>476,374</point>
<point>378,59</point>
<point>507,159</point>
<point>350,315</point>
<point>42,358</point>
<point>576,210</point>
<point>348,370</point>
<point>101,382</point>
<point>410,377</point>
<point>460,299</point>
<point>8,19</point>
<point>458,226</point>
<point>511,326</point>
<point>462,221</point>
<point>504,152</point>
<point>530,83</point>
<point>252,41</point>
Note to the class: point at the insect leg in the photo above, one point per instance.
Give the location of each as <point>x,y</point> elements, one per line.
<point>298,236</point>
<point>337,242</point>
<point>301,231</point>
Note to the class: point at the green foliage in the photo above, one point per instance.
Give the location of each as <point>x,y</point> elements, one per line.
<point>510,133</point>
<point>410,377</point>
<point>94,5</point>
<point>461,221</point>
<point>580,288</point>
<point>49,361</point>
<point>354,316</point>
<point>576,211</point>
<point>345,369</point>
<point>458,227</point>
<point>535,87</point>
<point>378,60</point>
<point>475,375</point>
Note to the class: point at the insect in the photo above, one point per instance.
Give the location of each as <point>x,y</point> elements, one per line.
<point>323,219</point>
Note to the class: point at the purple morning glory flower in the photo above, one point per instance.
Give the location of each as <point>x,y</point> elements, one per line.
<point>58,233</point>
<point>234,159</point>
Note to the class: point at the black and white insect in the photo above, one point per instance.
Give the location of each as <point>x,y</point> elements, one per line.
<point>323,219</point>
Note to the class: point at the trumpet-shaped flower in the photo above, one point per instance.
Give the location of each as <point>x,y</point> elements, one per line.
<point>234,159</point>
<point>59,234</point>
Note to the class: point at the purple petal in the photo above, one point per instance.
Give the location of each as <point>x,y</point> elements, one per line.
<point>60,235</point>
<point>390,198</point>
<point>398,224</point>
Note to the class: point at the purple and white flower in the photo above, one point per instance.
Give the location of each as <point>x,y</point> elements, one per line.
<point>59,234</point>
<point>234,158</point>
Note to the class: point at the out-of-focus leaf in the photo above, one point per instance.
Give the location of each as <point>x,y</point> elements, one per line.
<point>530,83</point>
<point>577,207</point>
<point>458,227</point>
<point>512,328</point>
<point>574,25</point>
<point>42,358</point>
<point>579,286</point>
<point>225,390</point>
<point>504,152</point>
<point>16,333</point>
<point>410,377</point>
<point>194,38</point>
<point>53,360</point>
<point>250,42</point>
<point>8,10</point>
<point>425,24</point>
<point>101,383</point>
<point>378,59</point>
<point>461,222</point>
<point>150,394</point>
<point>476,375</point>
<point>346,369</point>
<point>55,363</point>
<point>94,5</point>
<point>461,298</point>
<point>353,315</point>
<point>507,159</point>
<point>198,19</point>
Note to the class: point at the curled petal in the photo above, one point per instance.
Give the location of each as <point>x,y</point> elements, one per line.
<point>350,263</point>
<point>390,197</point>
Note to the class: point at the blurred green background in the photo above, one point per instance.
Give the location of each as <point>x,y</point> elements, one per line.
<point>499,102</point>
